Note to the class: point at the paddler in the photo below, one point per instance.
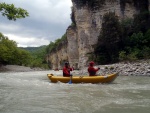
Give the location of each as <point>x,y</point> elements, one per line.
<point>92,71</point>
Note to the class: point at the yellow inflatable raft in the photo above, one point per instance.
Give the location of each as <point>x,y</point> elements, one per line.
<point>83,79</point>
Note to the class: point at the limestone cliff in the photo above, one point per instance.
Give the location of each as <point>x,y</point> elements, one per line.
<point>87,20</point>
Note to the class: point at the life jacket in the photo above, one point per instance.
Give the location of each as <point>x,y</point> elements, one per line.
<point>92,71</point>
<point>66,71</point>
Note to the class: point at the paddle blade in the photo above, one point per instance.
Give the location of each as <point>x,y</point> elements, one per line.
<point>70,82</point>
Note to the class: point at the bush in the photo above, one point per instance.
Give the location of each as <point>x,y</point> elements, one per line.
<point>146,52</point>
<point>122,56</point>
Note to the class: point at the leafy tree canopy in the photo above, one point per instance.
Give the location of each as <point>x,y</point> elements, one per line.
<point>11,12</point>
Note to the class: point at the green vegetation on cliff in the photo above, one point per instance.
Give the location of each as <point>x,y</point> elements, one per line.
<point>107,47</point>
<point>92,4</point>
<point>128,39</point>
<point>57,45</point>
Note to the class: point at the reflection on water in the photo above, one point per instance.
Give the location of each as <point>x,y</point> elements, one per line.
<point>32,92</point>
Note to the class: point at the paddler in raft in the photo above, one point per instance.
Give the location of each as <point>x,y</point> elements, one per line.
<point>92,71</point>
<point>66,70</point>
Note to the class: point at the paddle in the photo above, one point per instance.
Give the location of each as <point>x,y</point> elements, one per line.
<point>70,82</point>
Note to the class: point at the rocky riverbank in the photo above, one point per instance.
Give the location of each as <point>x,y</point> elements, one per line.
<point>138,68</point>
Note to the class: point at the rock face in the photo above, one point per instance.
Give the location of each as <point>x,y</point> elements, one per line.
<point>55,59</point>
<point>84,34</point>
<point>72,47</point>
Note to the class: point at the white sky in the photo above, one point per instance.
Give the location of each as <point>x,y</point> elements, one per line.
<point>47,22</point>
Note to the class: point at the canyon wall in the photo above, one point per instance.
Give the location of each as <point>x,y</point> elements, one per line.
<point>83,35</point>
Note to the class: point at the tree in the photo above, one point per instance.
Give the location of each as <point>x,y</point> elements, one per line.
<point>7,47</point>
<point>109,39</point>
<point>11,54</point>
<point>11,12</point>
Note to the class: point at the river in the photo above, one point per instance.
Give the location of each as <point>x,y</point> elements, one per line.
<point>32,92</point>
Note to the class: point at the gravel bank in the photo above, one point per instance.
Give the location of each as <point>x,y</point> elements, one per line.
<point>138,68</point>
<point>16,68</point>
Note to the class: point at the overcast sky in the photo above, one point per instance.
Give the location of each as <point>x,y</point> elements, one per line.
<point>47,21</point>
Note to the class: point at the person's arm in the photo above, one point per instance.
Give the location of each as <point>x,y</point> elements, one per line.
<point>71,69</point>
<point>88,70</point>
<point>98,69</point>
<point>95,69</point>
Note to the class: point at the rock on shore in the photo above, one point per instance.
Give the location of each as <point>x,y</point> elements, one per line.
<point>138,68</point>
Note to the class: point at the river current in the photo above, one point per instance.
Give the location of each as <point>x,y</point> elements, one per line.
<point>32,92</point>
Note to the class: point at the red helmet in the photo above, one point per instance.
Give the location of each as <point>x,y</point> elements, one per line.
<point>91,63</point>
